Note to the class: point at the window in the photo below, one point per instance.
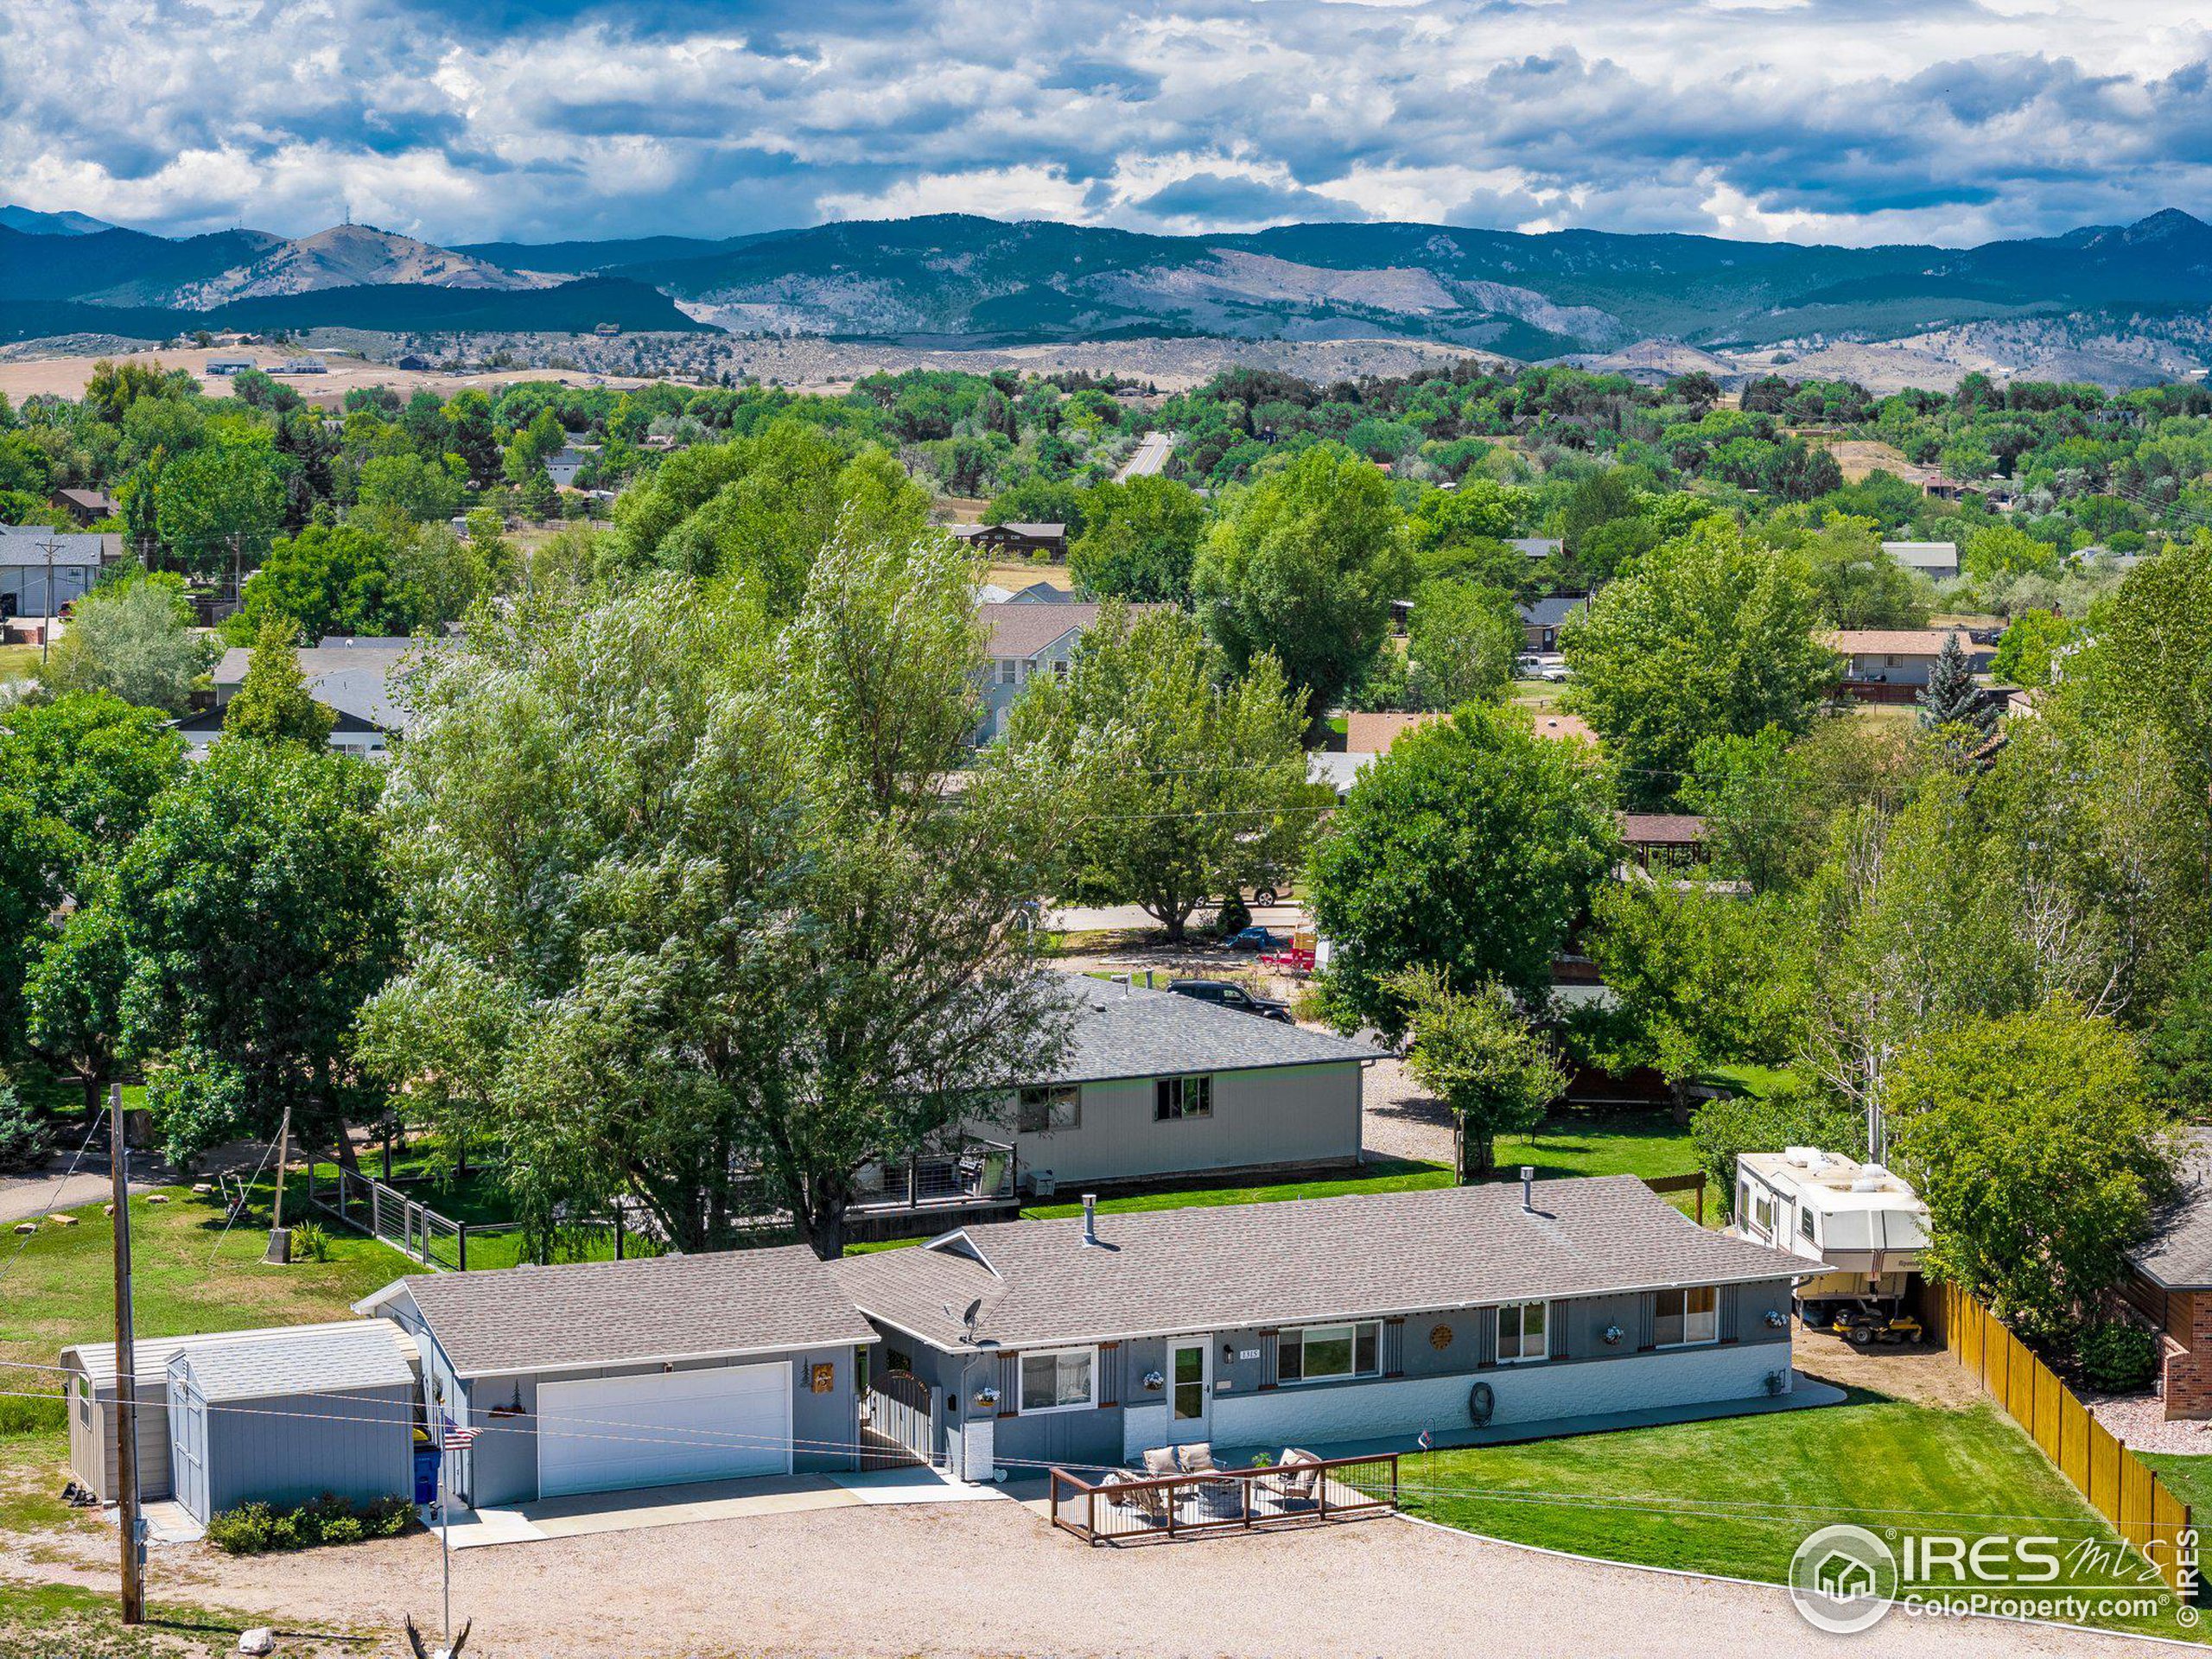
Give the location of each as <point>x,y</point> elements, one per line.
<point>1057,1379</point>
<point>1060,668</point>
<point>1805,1223</point>
<point>1039,1111</point>
<point>1324,1353</point>
<point>85,1400</point>
<point>1757,1208</point>
<point>1179,1097</point>
<point>1687,1316</point>
<point>1522,1332</point>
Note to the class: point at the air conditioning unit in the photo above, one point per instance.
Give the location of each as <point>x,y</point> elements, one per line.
<point>1041,1184</point>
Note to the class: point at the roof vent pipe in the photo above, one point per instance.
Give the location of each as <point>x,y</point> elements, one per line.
<point>1090,1219</point>
<point>1529,1187</point>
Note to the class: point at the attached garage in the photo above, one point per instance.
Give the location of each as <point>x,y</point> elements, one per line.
<point>611,1375</point>
<point>604,1434</point>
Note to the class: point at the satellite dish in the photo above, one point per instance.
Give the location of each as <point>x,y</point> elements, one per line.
<point>974,1311</point>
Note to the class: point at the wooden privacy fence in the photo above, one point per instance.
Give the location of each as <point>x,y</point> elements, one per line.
<point>2119,1486</point>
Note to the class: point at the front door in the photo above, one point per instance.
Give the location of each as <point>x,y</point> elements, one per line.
<point>1190,1389</point>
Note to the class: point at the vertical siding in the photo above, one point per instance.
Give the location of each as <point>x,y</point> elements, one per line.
<point>294,1448</point>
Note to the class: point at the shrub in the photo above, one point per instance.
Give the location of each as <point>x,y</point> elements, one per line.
<point>32,1413</point>
<point>24,1140</point>
<point>256,1529</point>
<point>2118,1358</point>
<point>310,1243</point>
<point>1233,917</point>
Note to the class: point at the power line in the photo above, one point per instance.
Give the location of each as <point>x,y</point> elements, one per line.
<point>55,1198</point>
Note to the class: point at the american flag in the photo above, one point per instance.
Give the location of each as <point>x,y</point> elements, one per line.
<point>457,1438</point>
<point>1426,1443</point>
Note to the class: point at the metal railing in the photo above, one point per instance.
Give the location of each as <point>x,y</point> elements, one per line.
<point>1129,1509</point>
<point>975,1172</point>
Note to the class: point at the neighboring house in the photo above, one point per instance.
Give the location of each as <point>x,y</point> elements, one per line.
<point>1564,729</point>
<point>351,676</point>
<point>1864,1224</point>
<point>1339,770</point>
<point>1372,734</point>
<point>91,1387</point>
<point>562,466</point>
<point>29,552</point>
<point>1024,639</point>
<point>2170,1285</point>
<point>1656,840</point>
<point>299,365</point>
<point>1937,561</point>
<point>1536,547</point>
<point>1377,1316</point>
<point>1154,1084</point>
<point>222,366</point>
<point>1878,659</point>
<point>610,1375</point>
<point>85,506</point>
<point>1541,618</point>
<point>1033,540</point>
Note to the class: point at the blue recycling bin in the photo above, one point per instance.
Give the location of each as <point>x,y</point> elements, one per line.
<point>426,1474</point>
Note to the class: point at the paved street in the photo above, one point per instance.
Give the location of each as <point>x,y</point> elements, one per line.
<point>1152,450</point>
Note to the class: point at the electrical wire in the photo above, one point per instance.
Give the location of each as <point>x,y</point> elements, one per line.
<point>60,1187</point>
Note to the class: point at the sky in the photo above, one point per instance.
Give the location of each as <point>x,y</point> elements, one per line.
<point>1845,121</point>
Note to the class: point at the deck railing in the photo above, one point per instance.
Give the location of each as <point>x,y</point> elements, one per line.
<point>1129,1509</point>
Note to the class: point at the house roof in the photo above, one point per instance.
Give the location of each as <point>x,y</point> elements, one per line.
<point>1535,547</point>
<point>1338,771</point>
<point>1894,642</point>
<point>1014,629</point>
<point>352,675</point>
<point>151,1355</point>
<point>1119,1031</point>
<point>1660,828</point>
<point>1231,1266</point>
<point>1551,610</point>
<point>1375,733</point>
<point>330,1359</point>
<point>93,501</point>
<point>1038,530</point>
<point>25,544</point>
<point>1924,555</point>
<point>2178,1254</point>
<point>664,1307</point>
<point>1567,729</point>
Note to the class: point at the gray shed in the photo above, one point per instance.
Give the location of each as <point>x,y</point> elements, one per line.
<point>92,1391</point>
<point>282,1422</point>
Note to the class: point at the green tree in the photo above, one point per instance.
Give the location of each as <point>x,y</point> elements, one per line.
<point>1472,846</point>
<point>1461,645</point>
<point>1475,1053</point>
<point>1855,584</point>
<point>1304,565</point>
<point>2026,653</point>
<point>92,763</point>
<point>38,855</point>
<point>405,489</point>
<point>1180,783</point>
<point>1724,1128</point>
<point>1707,636</point>
<point>1951,697</point>
<point>258,913</point>
<point>217,507</point>
<point>472,433</point>
<point>2177,1048</point>
<point>1139,540</point>
<point>329,579</point>
<point>273,704</point>
<point>1768,801</point>
<point>2034,1144</point>
<point>2003,550</point>
<point>73,994</point>
<point>133,638</point>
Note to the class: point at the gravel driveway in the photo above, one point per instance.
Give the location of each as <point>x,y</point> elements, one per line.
<point>987,1579</point>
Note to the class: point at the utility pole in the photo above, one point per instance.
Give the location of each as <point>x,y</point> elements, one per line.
<point>51,546</point>
<point>280,1241</point>
<point>126,1371</point>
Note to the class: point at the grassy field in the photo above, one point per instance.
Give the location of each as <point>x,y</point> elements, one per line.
<point>18,662</point>
<point>1736,1497</point>
<point>1644,1143</point>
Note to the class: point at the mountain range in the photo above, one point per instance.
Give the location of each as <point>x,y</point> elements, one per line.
<point>959,280</point>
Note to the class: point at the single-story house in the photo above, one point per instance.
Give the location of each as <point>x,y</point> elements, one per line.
<point>1541,618</point>
<point>85,506</point>
<point>1937,561</point>
<point>92,1391</point>
<point>223,365</point>
<point>1090,1340</point>
<point>1536,547</point>
<point>608,1376</point>
<point>1899,656</point>
<point>333,1410</point>
<point>348,675</point>
<point>1375,733</point>
<point>1034,541</point>
<point>29,552</point>
<point>2169,1286</point>
<point>562,466</point>
<point>1154,1084</point>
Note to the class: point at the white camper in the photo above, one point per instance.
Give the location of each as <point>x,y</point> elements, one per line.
<point>1863,1224</point>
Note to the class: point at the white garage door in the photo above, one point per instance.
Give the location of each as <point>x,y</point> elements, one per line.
<point>607,1433</point>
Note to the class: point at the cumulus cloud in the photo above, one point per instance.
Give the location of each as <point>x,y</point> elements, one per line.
<point>1849,121</point>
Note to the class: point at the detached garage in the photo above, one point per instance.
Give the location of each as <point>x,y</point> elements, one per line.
<point>613,1375</point>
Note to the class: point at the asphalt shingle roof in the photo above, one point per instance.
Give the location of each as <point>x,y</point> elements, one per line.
<point>353,677</point>
<point>1121,1032</point>
<point>1016,629</point>
<point>1232,1266</point>
<point>2178,1256</point>
<point>329,1360</point>
<point>613,1312</point>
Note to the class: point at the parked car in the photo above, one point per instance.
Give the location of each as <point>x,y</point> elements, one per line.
<point>1258,938</point>
<point>1222,994</point>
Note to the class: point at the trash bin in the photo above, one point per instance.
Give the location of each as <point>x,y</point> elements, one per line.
<point>426,1473</point>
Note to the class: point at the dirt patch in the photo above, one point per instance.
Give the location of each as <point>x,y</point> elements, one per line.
<point>1927,1376</point>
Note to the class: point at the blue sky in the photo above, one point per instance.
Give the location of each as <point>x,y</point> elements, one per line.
<point>1848,121</point>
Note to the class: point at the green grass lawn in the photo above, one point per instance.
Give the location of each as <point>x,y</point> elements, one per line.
<point>2188,1478</point>
<point>1383,1175</point>
<point>1644,1143</point>
<point>1736,1497</point>
<point>18,663</point>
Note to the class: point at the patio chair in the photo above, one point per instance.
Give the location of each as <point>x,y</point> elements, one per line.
<point>1297,1474</point>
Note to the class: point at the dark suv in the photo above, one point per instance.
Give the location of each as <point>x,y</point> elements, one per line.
<point>1222,994</point>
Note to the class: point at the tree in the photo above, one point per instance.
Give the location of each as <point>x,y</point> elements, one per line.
<point>1699,978</point>
<point>258,915</point>
<point>2033,1142</point>
<point>2028,652</point>
<point>1037,500</point>
<point>1471,847</point>
<point>274,705</point>
<point>329,579</point>
<point>1179,784</point>
<point>1768,801</point>
<point>132,638</point>
<point>37,855</point>
<point>1951,697</point>
<point>73,995</point>
<point>2001,549</point>
<point>218,506</point>
<point>694,918</point>
<point>1476,1055</point>
<point>1461,645</point>
<point>1304,565</point>
<point>92,763</point>
<point>1791,1115</point>
<point>1139,540</point>
<point>2178,1049</point>
<point>1855,584</point>
<point>398,490</point>
<point>1707,636</point>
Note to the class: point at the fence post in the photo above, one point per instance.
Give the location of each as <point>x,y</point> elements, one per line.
<point>376,1210</point>
<point>617,1230</point>
<point>460,1234</point>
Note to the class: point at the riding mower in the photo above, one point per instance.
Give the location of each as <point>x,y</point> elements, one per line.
<point>1864,1322</point>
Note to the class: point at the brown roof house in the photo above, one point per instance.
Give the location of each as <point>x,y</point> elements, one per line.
<point>2169,1286</point>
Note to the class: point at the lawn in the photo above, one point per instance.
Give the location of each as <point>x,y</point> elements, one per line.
<point>1383,1175</point>
<point>1736,1497</point>
<point>2188,1478</point>
<point>18,663</point>
<point>1645,1143</point>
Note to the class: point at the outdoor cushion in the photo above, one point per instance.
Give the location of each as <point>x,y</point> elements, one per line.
<point>1160,1460</point>
<point>1197,1460</point>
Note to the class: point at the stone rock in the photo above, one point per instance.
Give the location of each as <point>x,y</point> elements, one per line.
<point>261,1639</point>
<point>158,1197</point>
<point>27,1226</point>
<point>63,1220</point>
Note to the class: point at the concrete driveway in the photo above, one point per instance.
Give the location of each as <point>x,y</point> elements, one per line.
<point>991,1579</point>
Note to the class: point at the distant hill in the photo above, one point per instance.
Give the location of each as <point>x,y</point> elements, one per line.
<point>32,222</point>
<point>344,256</point>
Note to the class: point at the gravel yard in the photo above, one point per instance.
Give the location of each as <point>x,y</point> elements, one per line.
<point>1402,1120</point>
<point>991,1579</point>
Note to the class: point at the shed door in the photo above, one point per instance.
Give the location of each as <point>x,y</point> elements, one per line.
<point>606,1433</point>
<point>188,1448</point>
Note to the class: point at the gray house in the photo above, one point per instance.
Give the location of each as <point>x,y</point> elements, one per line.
<point>29,552</point>
<point>1326,1319</point>
<point>1541,618</point>
<point>281,1422</point>
<point>609,1375</point>
<point>1156,1084</point>
<point>353,677</point>
<point>1022,641</point>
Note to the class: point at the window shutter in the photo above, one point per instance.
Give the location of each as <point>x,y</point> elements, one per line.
<point>1730,1296</point>
<point>1009,1385</point>
<point>1556,1330</point>
<point>1107,1382</point>
<point>1393,1347</point>
<point>1270,1360</point>
<point>1485,1336</point>
<point>1647,1321</point>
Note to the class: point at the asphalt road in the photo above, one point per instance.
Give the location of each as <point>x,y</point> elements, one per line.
<point>1152,450</point>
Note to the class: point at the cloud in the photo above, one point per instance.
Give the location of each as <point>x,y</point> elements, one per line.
<point>1850,121</point>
